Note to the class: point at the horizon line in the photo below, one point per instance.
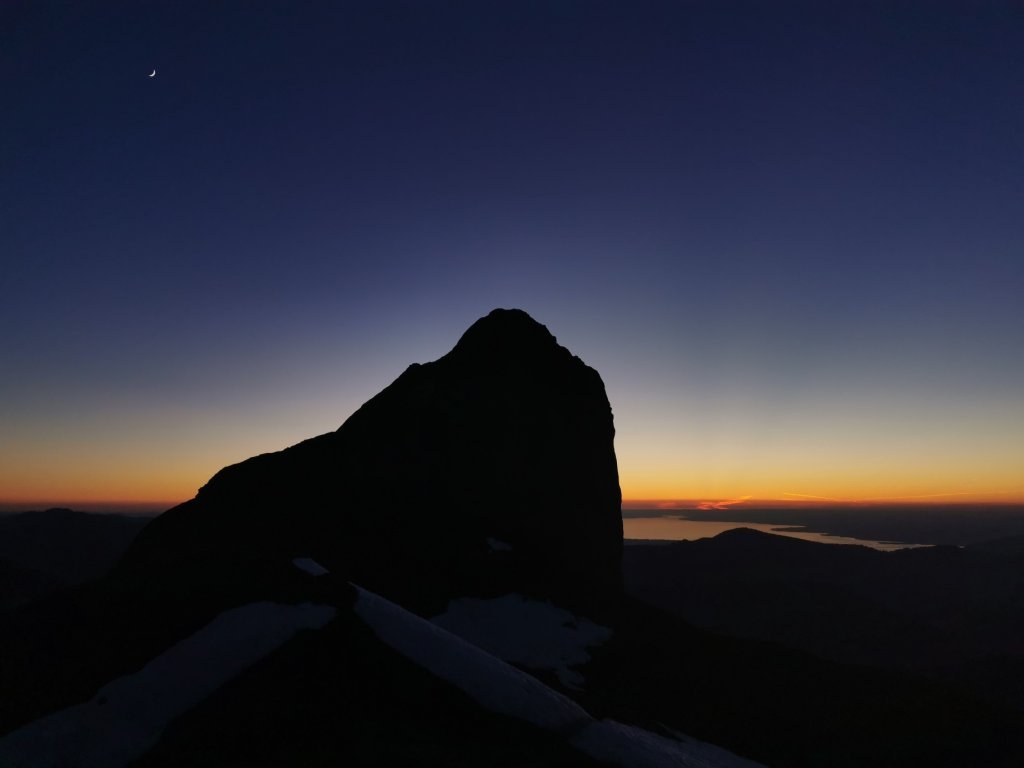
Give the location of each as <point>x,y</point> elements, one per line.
<point>703,504</point>
<point>706,504</point>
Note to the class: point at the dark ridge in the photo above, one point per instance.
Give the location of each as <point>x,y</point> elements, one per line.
<point>949,613</point>
<point>365,705</point>
<point>65,546</point>
<point>755,538</point>
<point>508,436</point>
<point>506,337</point>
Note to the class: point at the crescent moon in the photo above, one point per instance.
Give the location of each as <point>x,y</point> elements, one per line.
<point>153,73</point>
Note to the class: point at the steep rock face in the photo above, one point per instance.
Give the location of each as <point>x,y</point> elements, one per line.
<point>508,438</point>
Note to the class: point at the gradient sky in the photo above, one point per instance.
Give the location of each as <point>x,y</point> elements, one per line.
<point>789,236</point>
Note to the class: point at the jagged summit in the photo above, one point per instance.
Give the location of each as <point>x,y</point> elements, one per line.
<point>506,335</point>
<point>508,437</point>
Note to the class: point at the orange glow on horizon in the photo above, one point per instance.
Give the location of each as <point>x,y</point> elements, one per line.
<point>168,494</point>
<point>804,501</point>
<point>802,484</point>
<point>159,475</point>
<point>822,453</point>
<point>88,484</point>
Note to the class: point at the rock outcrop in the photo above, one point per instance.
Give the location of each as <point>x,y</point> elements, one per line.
<point>490,469</point>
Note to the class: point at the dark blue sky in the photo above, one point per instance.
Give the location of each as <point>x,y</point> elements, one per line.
<point>790,236</point>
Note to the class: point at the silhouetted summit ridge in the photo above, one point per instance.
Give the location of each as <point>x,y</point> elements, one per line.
<point>508,437</point>
<point>507,336</point>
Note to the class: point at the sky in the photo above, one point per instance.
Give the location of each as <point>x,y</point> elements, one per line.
<point>788,235</point>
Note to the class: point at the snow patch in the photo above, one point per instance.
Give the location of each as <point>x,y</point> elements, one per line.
<point>126,717</point>
<point>310,566</point>
<point>533,633</point>
<point>506,690</point>
<point>627,745</point>
<point>497,686</point>
<point>497,545</point>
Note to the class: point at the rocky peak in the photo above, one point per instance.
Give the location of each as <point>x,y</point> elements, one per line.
<point>508,438</point>
<point>506,336</point>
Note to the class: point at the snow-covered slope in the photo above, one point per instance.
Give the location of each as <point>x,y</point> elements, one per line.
<point>532,633</point>
<point>498,686</point>
<point>310,566</point>
<point>126,716</point>
<point>502,688</point>
<point>627,745</point>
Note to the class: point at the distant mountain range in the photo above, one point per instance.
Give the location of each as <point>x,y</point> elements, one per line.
<point>44,550</point>
<point>948,613</point>
<point>439,583</point>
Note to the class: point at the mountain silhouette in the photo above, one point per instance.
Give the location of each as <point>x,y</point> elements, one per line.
<point>438,582</point>
<point>44,550</point>
<point>950,613</point>
<point>507,438</point>
<point>68,546</point>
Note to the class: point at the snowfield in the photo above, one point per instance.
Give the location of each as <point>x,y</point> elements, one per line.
<point>126,716</point>
<point>532,633</point>
<point>497,686</point>
<point>310,566</point>
<point>506,690</point>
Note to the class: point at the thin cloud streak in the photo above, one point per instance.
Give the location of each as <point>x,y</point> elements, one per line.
<point>722,504</point>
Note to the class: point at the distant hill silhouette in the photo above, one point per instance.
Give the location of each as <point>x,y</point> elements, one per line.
<point>416,585</point>
<point>44,550</point>
<point>947,612</point>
